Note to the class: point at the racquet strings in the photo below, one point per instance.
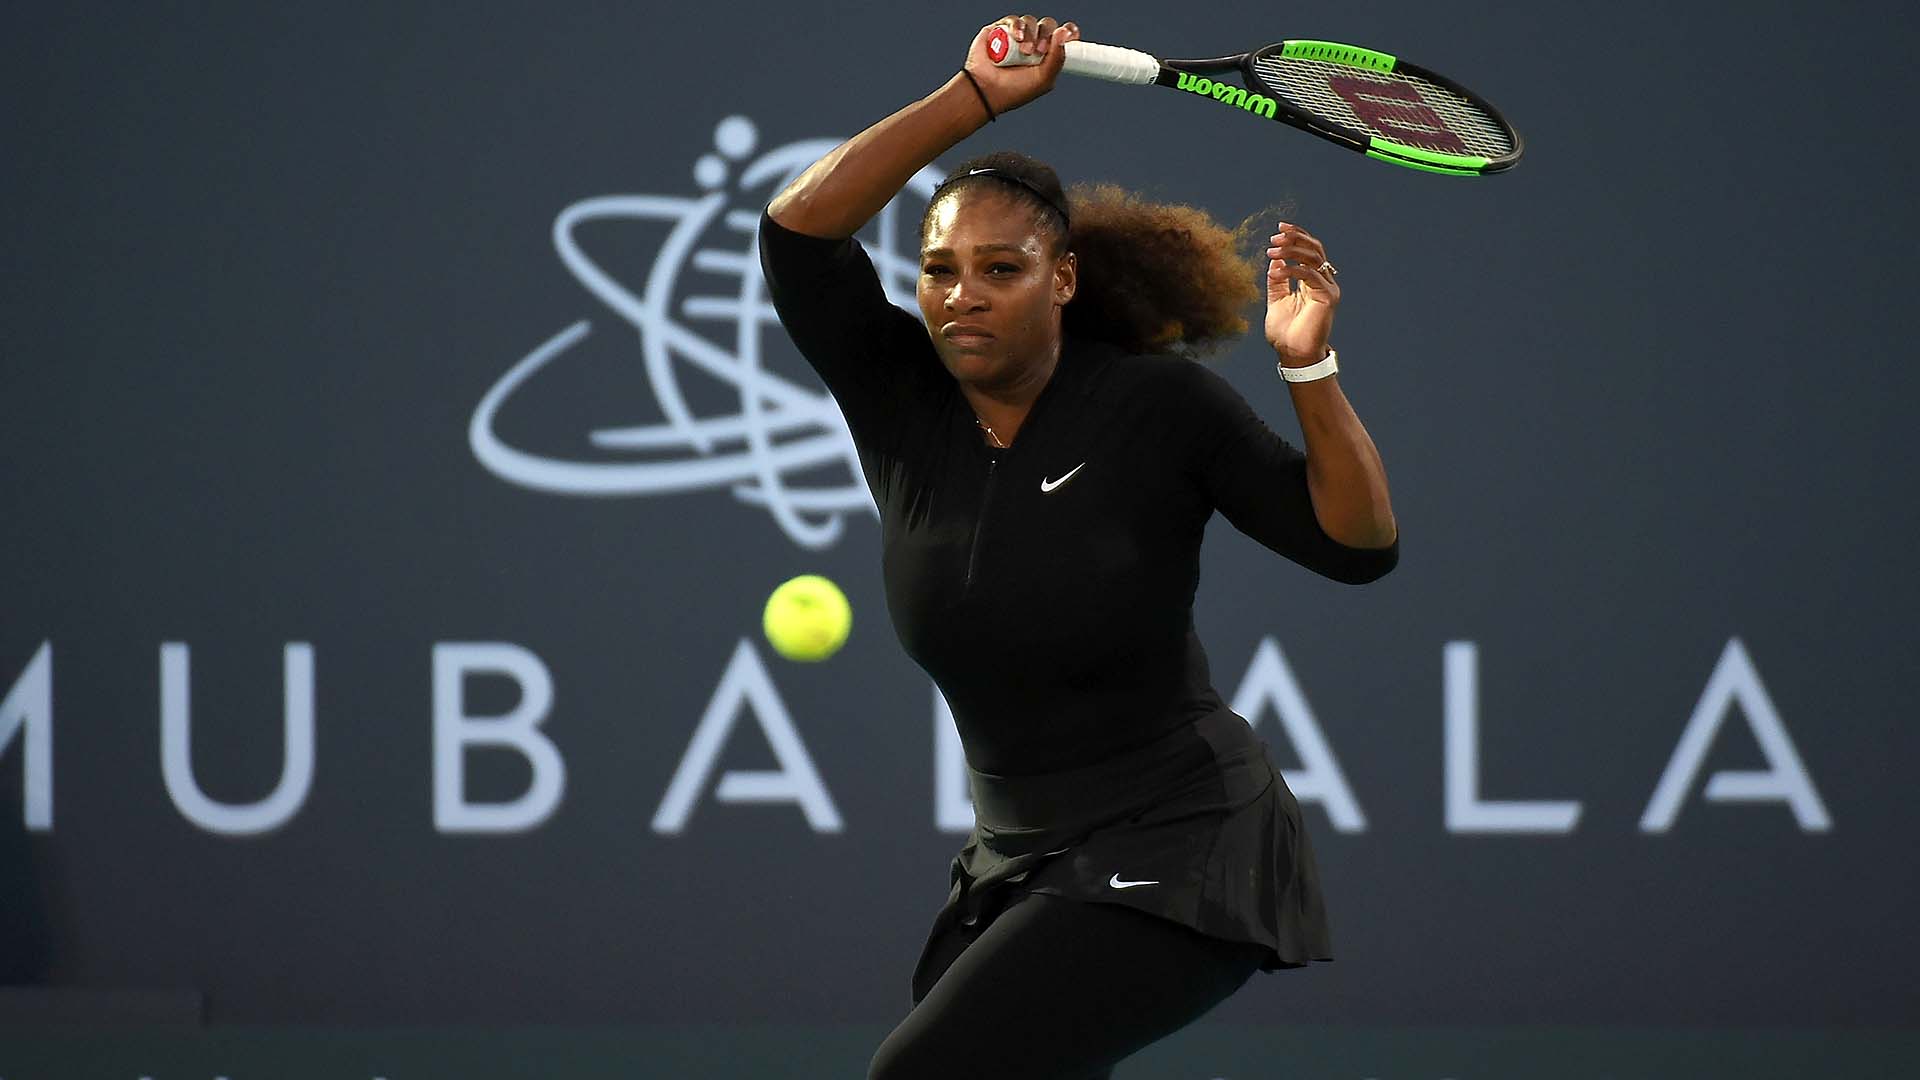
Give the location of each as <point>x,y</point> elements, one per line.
<point>1400,108</point>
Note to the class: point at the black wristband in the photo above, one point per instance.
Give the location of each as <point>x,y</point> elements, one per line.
<point>983,95</point>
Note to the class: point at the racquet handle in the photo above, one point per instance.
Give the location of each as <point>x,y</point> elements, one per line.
<point>1110,63</point>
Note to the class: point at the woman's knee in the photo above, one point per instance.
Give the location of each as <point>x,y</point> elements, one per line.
<point>908,1054</point>
<point>1066,987</point>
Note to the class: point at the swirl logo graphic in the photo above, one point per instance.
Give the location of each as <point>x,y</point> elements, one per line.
<point>782,427</point>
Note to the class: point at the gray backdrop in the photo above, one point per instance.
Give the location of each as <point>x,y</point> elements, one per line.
<point>297,362</point>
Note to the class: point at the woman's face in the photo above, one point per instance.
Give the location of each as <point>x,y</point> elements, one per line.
<point>990,290</point>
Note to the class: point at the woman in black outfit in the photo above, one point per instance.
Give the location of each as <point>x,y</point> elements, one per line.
<point>1045,458</point>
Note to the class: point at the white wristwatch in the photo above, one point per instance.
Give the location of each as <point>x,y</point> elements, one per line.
<point>1312,371</point>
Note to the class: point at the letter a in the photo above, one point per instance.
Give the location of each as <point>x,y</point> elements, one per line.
<point>1268,679</point>
<point>746,682</point>
<point>1786,780</point>
<point>952,802</point>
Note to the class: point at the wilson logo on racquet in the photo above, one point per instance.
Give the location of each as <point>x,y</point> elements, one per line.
<point>998,44</point>
<point>1228,93</point>
<point>1398,110</point>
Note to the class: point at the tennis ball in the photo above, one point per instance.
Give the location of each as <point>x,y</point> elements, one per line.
<point>807,618</point>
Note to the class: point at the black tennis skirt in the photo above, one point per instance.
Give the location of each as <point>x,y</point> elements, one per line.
<point>1197,827</point>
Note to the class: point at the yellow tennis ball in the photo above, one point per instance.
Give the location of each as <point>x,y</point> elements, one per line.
<point>807,618</point>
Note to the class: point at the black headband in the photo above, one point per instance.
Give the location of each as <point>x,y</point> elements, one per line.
<point>1012,178</point>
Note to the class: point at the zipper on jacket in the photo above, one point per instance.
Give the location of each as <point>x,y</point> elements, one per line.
<point>973,545</point>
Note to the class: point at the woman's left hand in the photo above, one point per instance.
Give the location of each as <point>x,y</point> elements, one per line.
<point>1299,320</point>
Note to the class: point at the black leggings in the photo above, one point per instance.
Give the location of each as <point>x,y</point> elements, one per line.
<point>1060,989</point>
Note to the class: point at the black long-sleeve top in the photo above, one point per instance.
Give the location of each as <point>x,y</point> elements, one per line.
<point>1047,588</point>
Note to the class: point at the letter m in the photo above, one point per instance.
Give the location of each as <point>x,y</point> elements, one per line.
<point>28,707</point>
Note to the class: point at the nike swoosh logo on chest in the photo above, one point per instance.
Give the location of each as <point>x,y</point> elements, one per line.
<point>1047,486</point>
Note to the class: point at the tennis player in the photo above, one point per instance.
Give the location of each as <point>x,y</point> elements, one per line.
<point>1045,454</point>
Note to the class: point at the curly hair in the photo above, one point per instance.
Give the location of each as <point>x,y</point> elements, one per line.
<point>1154,277</point>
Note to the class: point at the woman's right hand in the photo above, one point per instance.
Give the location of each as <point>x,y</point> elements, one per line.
<point>1008,88</point>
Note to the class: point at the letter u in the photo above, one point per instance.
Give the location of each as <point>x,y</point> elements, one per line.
<point>176,760</point>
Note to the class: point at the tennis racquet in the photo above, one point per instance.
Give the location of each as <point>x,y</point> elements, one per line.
<point>1368,101</point>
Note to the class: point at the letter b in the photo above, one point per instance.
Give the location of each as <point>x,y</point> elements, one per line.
<point>454,731</point>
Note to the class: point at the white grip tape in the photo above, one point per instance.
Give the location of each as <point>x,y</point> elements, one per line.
<point>1110,63</point>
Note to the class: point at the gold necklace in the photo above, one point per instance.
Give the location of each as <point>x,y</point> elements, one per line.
<point>989,431</point>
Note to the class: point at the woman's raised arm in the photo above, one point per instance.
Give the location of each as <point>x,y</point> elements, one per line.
<point>838,193</point>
